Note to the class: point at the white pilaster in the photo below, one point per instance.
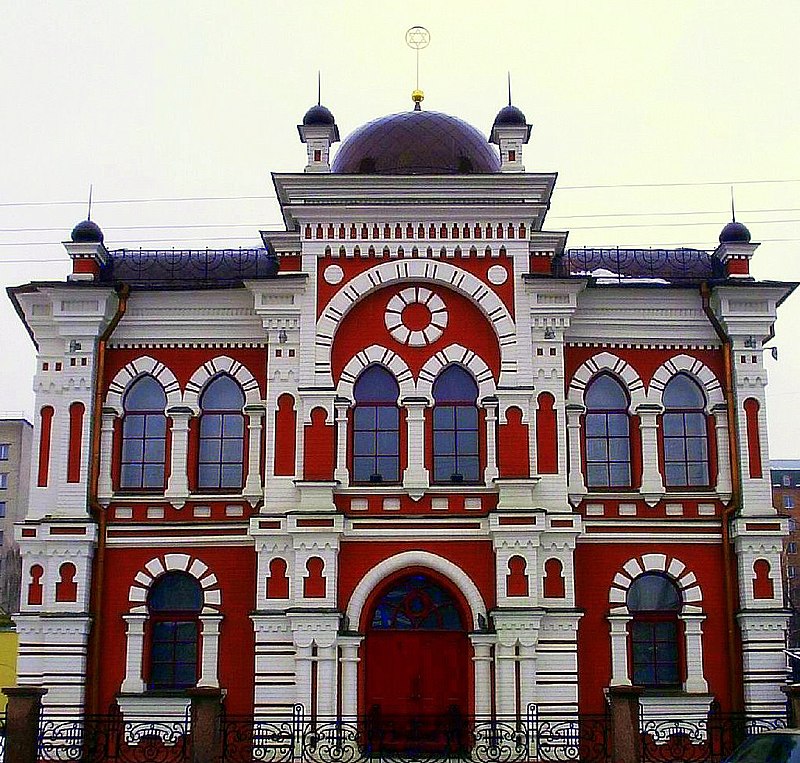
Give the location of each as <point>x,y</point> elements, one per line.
<point>350,659</point>
<point>341,474</point>
<point>693,630</point>
<point>652,481</point>
<point>105,488</point>
<point>723,452</point>
<point>133,683</point>
<point>178,483</point>
<point>209,640</point>
<point>619,649</point>
<point>490,405</point>
<point>415,477</point>
<point>482,667</point>
<point>253,487</point>
<point>576,485</point>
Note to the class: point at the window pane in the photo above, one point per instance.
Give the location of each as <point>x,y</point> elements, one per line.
<point>210,451</point>
<point>133,426</point>
<point>618,424</point>
<point>131,475</point>
<point>619,450</point>
<point>444,417</point>
<point>388,417</point>
<point>364,443</point>
<point>597,475</point>
<point>146,394</point>
<point>208,475</point>
<point>222,394</point>
<point>696,448</point>
<point>232,450</point>
<point>388,469</point>
<point>698,474</point>
<point>154,451</point>
<point>132,450</point>
<point>444,443</point>
<point>596,450</point>
<point>185,675</point>
<point>388,443</point>
<point>596,424</point>
<point>695,424</point>
<point>231,475</point>
<point>443,468</point>
<point>176,591</point>
<point>364,417</point>
<point>467,443</point>
<point>605,392</point>
<point>674,449</point>
<point>676,475</point>
<point>469,468</point>
<point>155,426</point>
<point>210,425</point>
<point>153,476</point>
<point>455,385</point>
<point>620,475</point>
<point>672,424</point>
<point>682,392</point>
<point>362,469</point>
<point>376,384</point>
<point>466,417</point>
<point>233,425</point>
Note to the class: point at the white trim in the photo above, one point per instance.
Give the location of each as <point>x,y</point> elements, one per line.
<point>396,563</point>
<point>455,354</point>
<point>212,368</point>
<point>617,367</point>
<point>131,372</point>
<point>692,367</point>
<point>159,565</point>
<point>375,354</point>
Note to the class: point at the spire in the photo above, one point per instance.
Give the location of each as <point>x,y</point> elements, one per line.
<point>509,88</point>
<point>319,88</point>
<point>89,213</point>
<point>418,38</point>
<point>733,207</point>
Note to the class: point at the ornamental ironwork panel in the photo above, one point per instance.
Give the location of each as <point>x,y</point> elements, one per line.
<point>101,738</point>
<point>188,268</point>
<point>619,264</point>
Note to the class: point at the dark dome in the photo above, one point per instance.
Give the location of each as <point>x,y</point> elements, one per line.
<point>87,232</point>
<point>734,233</point>
<point>416,143</point>
<point>510,115</point>
<point>318,115</point>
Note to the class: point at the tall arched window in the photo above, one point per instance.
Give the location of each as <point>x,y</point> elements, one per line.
<point>221,455</point>
<point>685,433</point>
<point>607,434</point>
<point>376,427</point>
<point>654,601</point>
<point>144,436</point>
<point>455,427</point>
<point>174,603</point>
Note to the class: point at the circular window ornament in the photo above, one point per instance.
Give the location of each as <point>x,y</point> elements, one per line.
<point>333,274</point>
<point>416,316</point>
<point>497,275</point>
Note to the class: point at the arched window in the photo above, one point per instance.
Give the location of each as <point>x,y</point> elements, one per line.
<point>685,433</point>
<point>607,434</point>
<point>174,603</point>
<point>144,436</point>
<point>416,603</point>
<point>455,427</point>
<point>376,427</point>
<point>654,601</point>
<point>221,455</point>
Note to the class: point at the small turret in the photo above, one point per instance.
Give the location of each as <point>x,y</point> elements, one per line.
<point>318,131</point>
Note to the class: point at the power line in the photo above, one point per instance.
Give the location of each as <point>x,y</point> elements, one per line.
<point>170,199</point>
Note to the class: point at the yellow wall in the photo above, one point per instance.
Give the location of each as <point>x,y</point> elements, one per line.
<point>9,645</point>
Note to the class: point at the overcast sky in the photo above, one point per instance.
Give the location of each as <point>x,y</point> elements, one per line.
<point>657,106</point>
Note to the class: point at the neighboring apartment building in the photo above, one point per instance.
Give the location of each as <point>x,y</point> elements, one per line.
<point>437,464</point>
<point>786,499</point>
<point>15,466</point>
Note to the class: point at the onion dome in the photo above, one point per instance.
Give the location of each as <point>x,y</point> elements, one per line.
<point>318,115</point>
<point>734,233</point>
<point>416,143</point>
<point>87,232</point>
<point>510,115</point>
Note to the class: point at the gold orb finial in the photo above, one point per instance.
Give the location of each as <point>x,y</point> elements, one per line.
<point>418,97</point>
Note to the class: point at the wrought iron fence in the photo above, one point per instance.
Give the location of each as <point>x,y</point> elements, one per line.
<point>702,740</point>
<point>102,738</point>
<point>539,736</point>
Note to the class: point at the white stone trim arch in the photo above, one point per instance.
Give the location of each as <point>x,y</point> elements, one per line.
<point>404,271</point>
<point>694,368</point>
<point>407,559</point>
<point>375,354</point>
<point>142,366</point>
<point>609,363</point>
<point>221,365</point>
<point>691,614</point>
<point>456,354</point>
<point>136,619</point>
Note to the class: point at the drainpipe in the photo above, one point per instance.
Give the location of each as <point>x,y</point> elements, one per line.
<point>98,512</point>
<point>731,579</point>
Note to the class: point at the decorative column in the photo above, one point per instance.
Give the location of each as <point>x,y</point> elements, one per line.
<point>652,482</point>
<point>619,649</point>
<point>490,405</point>
<point>209,635</point>
<point>253,487</point>
<point>505,661</point>
<point>302,663</point>
<point>134,656</point>
<point>326,680</point>
<point>693,630</point>
<point>415,476</point>
<point>527,675</point>
<point>341,406</point>
<point>724,488</point>
<point>350,660</point>
<point>482,666</point>
<point>105,486</point>
<point>178,485</point>
<point>576,486</point>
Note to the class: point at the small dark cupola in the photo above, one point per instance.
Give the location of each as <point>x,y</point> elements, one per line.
<point>318,131</point>
<point>86,249</point>
<point>510,131</point>
<point>735,249</point>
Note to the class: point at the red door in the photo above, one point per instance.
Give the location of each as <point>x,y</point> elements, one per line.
<point>416,668</point>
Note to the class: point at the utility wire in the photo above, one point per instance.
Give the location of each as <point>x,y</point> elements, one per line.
<point>159,200</point>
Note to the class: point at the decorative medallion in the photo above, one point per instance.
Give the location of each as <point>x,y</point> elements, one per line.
<point>333,274</point>
<point>416,317</point>
<point>497,275</point>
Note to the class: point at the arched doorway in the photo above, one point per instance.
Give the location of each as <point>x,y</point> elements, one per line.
<point>417,665</point>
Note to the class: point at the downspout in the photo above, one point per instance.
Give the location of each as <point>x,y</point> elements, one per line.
<point>731,579</point>
<point>98,512</point>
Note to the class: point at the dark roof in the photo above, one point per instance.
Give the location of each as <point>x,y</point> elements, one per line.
<point>416,143</point>
<point>734,233</point>
<point>318,115</point>
<point>87,232</point>
<point>510,115</point>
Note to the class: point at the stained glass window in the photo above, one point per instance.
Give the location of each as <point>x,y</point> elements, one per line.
<point>416,603</point>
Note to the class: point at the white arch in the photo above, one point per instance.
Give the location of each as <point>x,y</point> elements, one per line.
<point>406,270</point>
<point>459,355</point>
<point>406,559</point>
<point>219,365</point>
<point>159,565</point>
<point>375,354</point>
<point>606,361</point>
<point>144,365</point>
<point>675,569</point>
<point>695,368</point>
